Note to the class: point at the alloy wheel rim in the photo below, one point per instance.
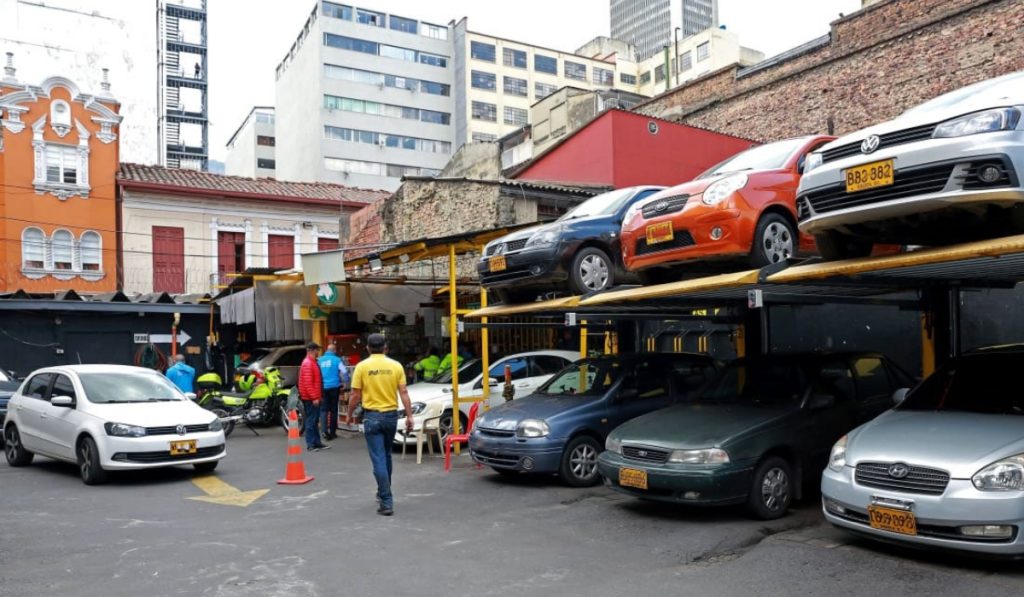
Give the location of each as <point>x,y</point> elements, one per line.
<point>11,443</point>
<point>777,242</point>
<point>583,461</point>
<point>775,489</point>
<point>86,459</point>
<point>594,272</point>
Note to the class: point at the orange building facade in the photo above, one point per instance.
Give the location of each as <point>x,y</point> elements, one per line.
<point>58,168</point>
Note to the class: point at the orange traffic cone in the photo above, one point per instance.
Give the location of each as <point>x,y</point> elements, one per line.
<point>295,470</point>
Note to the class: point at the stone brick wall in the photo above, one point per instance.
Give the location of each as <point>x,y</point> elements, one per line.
<point>878,62</point>
<point>434,208</point>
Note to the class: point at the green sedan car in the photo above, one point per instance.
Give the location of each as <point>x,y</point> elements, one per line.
<point>755,434</point>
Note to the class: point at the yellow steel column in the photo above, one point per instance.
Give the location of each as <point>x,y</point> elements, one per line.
<point>453,334</point>
<point>583,355</point>
<point>740,341</point>
<point>485,349</point>
<point>318,328</point>
<point>927,346</point>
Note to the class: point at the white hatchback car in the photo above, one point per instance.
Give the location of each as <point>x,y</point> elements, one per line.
<point>434,398</point>
<point>109,417</point>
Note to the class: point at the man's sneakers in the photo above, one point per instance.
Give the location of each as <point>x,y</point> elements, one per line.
<point>317,448</point>
<point>385,510</point>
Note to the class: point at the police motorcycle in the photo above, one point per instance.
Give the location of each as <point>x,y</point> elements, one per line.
<point>261,405</point>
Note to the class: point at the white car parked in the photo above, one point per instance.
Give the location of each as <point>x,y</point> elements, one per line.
<point>109,417</point>
<point>529,371</point>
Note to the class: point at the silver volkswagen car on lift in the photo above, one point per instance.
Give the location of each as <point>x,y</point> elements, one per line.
<point>945,467</point>
<point>947,171</point>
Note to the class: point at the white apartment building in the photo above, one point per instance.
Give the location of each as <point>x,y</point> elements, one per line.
<point>695,57</point>
<point>650,25</point>
<point>364,98</point>
<point>251,148</point>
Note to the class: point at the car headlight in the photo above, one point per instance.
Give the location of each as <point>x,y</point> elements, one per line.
<point>124,430</point>
<point>417,409</point>
<point>532,428</point>
<point>837,459</point>
<point>812,161</point>
<point>704,456</point>
<point>1004,475</point>
<point>613,445</point>
<point>543,238</point>
<point>216,425</point>
<point>987,121</point>
<point>720,190</point>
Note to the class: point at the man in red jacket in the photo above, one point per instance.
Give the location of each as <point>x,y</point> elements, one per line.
<point>311,387</point>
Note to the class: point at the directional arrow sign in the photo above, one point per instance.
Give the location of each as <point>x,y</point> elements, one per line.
<point>219,492</point>
<point>183,338</point>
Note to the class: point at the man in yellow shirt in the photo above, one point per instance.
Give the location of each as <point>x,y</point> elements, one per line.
<point>377,382</point>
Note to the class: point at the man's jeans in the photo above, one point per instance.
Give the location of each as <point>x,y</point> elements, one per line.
<point>311,414</point>
<point>379,430</point>
<point>329,412</point>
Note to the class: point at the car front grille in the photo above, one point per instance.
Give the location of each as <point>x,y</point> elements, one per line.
<point>493,458</point>
<point>928,481</point>
<point>165,456</point>
<point>510,246</point>
<point>497,432</point>
<point>680,239</point>
<point>645,454</point>
<point>887,140</point>
<point>907,183</point>
<point>667,206</point>
<point>173,429</point>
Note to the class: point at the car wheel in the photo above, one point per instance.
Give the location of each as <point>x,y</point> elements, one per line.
<point>89,463</point>
<point>205,467</point>
<point>16,453</point>
<point>444,425</point>
<point>579,462</point>
<point>229,426</point>
<point>592,271</point>
<point>834,246</point>
<point>775,240</point>
<point>772,490</point>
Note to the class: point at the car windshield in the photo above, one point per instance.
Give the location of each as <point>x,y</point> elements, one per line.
<point>763,157</point>
<point>121,387</point>
<point>981,383</point>
<point>758,383</point>
<point>601,205</point>
<point>585,378</point>
<point>467,372</point>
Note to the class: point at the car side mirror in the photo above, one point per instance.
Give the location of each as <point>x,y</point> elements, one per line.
<point>822,401</point>
<point>63,401</point>
<point>191,396</point>
<point>492,382</point>
<point>900,395</point>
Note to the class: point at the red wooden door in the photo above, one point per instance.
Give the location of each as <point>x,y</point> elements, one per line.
<point>230,254</point>
<point>168,259</point>
<point>326,244</point>
<point>281,251</point>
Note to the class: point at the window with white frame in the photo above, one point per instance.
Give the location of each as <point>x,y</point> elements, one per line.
<point>33,249</point>
<point>90,250</point>
<point>61,254</point>
<point>703,51</point>
<point>61,164</point>
<point>62,245</point>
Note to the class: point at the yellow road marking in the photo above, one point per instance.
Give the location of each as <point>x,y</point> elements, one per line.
<point>219,492</point>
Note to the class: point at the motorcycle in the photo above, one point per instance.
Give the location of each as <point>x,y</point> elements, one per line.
<point>262,405</point>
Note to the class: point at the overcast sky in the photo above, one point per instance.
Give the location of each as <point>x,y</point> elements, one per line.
<point>248,38</point>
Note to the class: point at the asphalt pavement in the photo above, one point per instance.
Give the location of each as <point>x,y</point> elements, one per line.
<point>467,532</point>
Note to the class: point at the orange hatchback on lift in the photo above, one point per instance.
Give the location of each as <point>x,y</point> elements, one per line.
<point>743,209</point>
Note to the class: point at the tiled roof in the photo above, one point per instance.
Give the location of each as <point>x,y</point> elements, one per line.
<point>268,188</point>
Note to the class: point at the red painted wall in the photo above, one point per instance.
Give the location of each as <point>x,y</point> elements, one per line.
<point>618,149</point>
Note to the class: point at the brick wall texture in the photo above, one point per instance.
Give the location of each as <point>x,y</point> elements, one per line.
<point>879,61</point>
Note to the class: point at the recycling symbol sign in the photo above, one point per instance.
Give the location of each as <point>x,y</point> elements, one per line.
<point>327,293</point>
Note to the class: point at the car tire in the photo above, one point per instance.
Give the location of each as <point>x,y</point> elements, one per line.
<point>771,491</point>
<point>834,246</point>
<point>89,463</point>
<point>205,467</point>
<point>775,240</point>
<point>15,451</point>
<point>592,271</point>
<point>229,426</point>
<point>579,462</point>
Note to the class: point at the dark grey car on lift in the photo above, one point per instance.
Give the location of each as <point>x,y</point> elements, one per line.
<point>578,253</point>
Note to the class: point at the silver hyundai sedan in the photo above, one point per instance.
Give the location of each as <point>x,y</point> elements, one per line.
<point>949,170</point>
<point>945,467</point>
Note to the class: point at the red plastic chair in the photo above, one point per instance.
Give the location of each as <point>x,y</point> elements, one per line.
<point>462,437</point>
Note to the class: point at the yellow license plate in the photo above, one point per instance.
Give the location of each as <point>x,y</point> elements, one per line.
<point>183,447</point>
<point>630,477</point>
<point>497,264</point>
<point>869,176</point>
<point>894,521</point>
<point>659,233</point>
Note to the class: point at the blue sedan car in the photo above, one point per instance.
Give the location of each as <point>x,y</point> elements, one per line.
<point>561,427</point>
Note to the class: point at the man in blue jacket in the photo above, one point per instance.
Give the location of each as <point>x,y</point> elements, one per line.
<point>335,377</point>
<point>181,374</point>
